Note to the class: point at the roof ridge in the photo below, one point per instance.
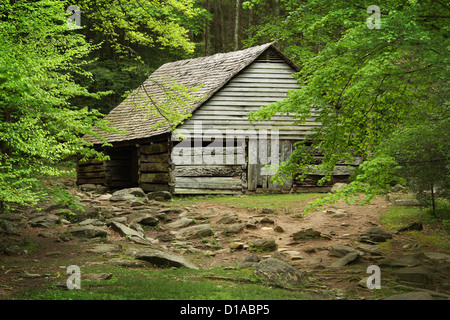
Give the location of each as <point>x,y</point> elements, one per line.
<point>217,55</point>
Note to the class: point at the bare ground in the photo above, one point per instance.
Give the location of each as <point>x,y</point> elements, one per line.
<point>47,257</point>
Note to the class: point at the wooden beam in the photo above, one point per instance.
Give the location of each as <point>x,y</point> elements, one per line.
<point>207,171</point>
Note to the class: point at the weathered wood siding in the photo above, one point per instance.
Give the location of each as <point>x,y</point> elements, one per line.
<point>155,164</point>
<point>209,170</point>
<point>91,171</point>
<point>260,84</point>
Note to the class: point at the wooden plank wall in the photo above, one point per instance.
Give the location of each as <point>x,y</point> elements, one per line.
<point>259,84</point>
<point>91,172</point>
<point>155,165</point>
<point>197,174</point>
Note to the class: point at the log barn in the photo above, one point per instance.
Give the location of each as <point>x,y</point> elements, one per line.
<point>217,150</point>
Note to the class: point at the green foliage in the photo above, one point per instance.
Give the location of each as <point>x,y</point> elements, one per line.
<point>371,88</point>
<point>39,128</point>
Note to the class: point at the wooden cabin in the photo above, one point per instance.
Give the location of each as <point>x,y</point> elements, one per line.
<point>222,151</point>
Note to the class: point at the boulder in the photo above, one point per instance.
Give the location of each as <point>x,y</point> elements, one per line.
<point>104,248</point>
<point>197,231</point>
<point>159,195</point>
<point>267,211</point>
<point>88,187</point>
<point>375,234</point>
<point>340,250</point>
<point>45,221</point>
<point>88,231</point>
<point>180,223</point>
<point>233,229</point>
<point>126,231</point>
<point>337,186</point>
<point>399,262</point>
<point>267,244</point>
<point>228,219</point>
<point>146,219</point>
<point>137,192</point>
<point>93,222</point>
<point>418,274</point>
<point>348,258</point>
<point>279,273</point>
<point>163,259</point>
<point>306,234</point>
<point>127,194</point>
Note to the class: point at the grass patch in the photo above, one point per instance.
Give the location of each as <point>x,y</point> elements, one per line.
<point>170,284</point>
<point>436,231</point>
<point>276,201</point>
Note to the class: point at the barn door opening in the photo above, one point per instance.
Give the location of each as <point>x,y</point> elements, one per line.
<point>259,155</point>
<point>122,168</point>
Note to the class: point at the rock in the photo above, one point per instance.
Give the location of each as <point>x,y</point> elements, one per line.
<point>251,258</point>
<point>197,231</point>
<point>368,248</point>
<point>180,223</point>
<point>101,188</point>
<point>105,197</point>
<point>306,234</point>
<point>267,211</point>
<point>252,224</point>
<point>419,274</point>
<point>400,262</point>
<point>45,221</point>
<point>88,187</point>
<point>279,273</point>
<point>146,219</point>
<point>126,231</point>
<point>137,192</point>
<point>267,244</point>
<point>165,237</point>
<point>278,229</point>
<point>236,245</point>
<point>413,226</point>
<point>8,228</point>
<point>104,248</point>
<point>93,222</point>
<point>163,259</point>
<point>88,231</point>
<point>340,250</point>
<point>233,229</point>
<point>437,256</point>
<point>159,195</point>
<point>121,197</point>
<point>126,263</point>
<point>96,276</point>
<point>348,258</point>
<point>293,254</point>
<point>266,220</point>
<point>411,296</point>
<point>228,219</point>
<point>337,186</point>
<point>375,234</point>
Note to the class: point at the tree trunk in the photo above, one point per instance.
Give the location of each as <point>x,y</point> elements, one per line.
<point>236,25</point>
<point>207,30</point>
<point>433,200</point>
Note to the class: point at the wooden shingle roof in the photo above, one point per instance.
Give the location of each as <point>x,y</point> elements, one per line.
<point>212,73</point>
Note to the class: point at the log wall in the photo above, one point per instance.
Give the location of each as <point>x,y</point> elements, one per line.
<point>155,165</point>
